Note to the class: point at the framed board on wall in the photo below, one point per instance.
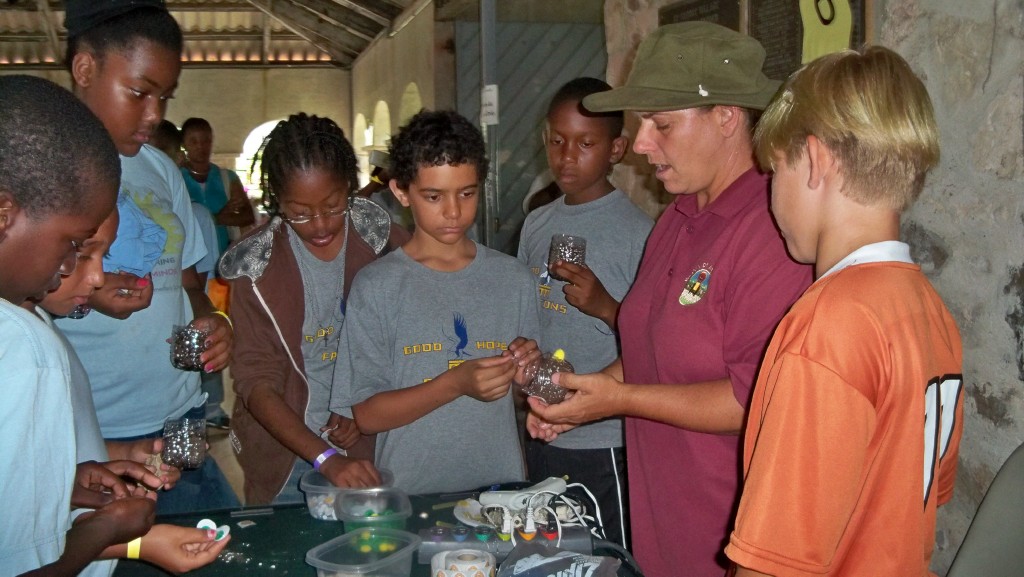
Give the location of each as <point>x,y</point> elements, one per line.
<point>794,32</point>
<point>724,12</point>
<point>791,31</point>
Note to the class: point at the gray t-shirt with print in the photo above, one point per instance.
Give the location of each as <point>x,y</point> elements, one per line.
<point>616,231</point>
<point>407,324</point>
<point>323,283</point>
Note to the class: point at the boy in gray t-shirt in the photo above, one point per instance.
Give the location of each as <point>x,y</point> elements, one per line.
<point>579,316</point>
<point>437,331</point>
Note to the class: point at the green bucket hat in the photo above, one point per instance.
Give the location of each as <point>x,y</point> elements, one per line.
<point>691,64</point>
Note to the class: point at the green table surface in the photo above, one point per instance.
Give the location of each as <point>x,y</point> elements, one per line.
<point>277,544</point>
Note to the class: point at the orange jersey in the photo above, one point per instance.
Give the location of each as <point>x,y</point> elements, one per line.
<point>854,429</point>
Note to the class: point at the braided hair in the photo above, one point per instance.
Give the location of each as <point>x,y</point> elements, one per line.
<point>300,143</point>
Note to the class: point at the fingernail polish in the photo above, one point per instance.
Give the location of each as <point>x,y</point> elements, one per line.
<point>142,283</point>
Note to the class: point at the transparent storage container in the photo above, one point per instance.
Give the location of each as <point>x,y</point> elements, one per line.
<point>368,552</point>
<point>322,496</point>
<point>386,508</point>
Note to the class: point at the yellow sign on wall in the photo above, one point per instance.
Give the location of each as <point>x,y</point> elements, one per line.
<point>828,25</point>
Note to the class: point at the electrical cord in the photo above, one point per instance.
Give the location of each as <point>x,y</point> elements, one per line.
<point>599,530</point>
<point>622,554</point>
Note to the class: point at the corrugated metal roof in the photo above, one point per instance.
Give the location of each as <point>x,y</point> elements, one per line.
<point>221,32</point>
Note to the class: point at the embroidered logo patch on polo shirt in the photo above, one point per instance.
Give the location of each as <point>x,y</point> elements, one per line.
<point>696,286</point>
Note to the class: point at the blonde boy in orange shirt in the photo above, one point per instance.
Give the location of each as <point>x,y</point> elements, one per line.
<point>856,417</point>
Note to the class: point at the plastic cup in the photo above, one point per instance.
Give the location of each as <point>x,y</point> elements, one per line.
<point>184,443</point>
<point>568,248</point>
<point>187,346</point>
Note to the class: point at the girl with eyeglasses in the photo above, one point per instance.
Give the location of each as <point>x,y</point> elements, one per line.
<point>289,279</point>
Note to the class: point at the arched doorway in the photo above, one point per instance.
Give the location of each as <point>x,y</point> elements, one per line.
<point>411,103</point>
<point>361,146</point>
<point>381,124</point>
<point>244,162</point>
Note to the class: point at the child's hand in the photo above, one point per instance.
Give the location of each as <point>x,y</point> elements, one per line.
<point>341,431</point>
<point>487,379</point>
<point>524,351</point>
<point>179,549</point>
<point>585,292</point>
<point>98,484</point>
<point>347,472</point>
<point>122,294</point>
<point>120,521</point>
<point>147,452</point>
<point>219,341</point>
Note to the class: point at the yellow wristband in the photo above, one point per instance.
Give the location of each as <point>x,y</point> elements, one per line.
<point>134,547</point>
<point>226,317</point>
<point>377,179</point>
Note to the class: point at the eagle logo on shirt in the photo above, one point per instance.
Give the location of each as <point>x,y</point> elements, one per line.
<point>461,339</point>
<point>696,286</point>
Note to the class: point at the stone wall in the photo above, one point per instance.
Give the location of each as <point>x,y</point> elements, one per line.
<point>967,230</point>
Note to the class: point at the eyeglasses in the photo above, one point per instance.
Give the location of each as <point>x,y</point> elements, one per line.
<point>305,218</point>
<point>70,262</point>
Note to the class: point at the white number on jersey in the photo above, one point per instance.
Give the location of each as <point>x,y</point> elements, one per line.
<point>940,400</point>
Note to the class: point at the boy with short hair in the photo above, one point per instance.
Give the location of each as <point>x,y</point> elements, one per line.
<point>579,315</point>
<point>856,417</point>
<point>59,175</point>
<point>436,331</point>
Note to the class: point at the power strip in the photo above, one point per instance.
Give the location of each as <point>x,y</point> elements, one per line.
<point>574,538</point>
<point>523,498</point>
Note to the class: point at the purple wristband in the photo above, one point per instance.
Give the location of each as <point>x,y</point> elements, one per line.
<point>323,457</point>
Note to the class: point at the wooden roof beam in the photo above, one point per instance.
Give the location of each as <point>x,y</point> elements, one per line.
<point>46,16</point>
<point>382,19</point>
<point>265,47</point>
<point>305,25</point>
<point>351,22</point>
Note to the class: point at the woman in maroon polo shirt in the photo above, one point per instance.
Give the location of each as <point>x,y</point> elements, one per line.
<point>714,281</point>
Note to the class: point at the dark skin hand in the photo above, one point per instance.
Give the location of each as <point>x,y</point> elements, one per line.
<point>122,294</point>
<point>237,212</point>
<point>348,472</point>
<point>141,450</point>
<point>341,432</point>
<point>289,428</point>
<point>98,484</point>
<point>585,292</point>
<point>356,469</point>
<point>114,523</point>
